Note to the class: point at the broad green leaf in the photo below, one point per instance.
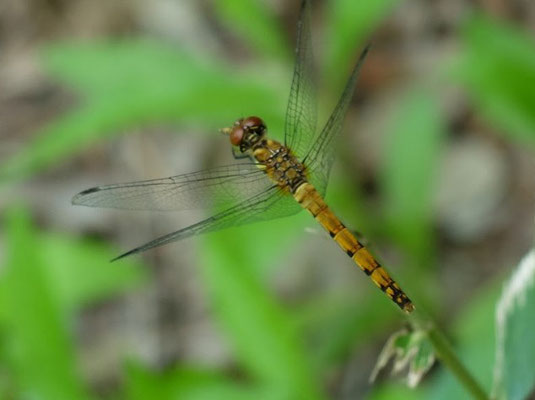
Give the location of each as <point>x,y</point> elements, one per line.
<point>38,347</point>
<point>395,392</point>
<point>81,271</point>
<point>255,25</point>
<point>191,384</point>
<point>514,377</point>
<point>264,339</point>
<point>130,83</point>
<point>111,67</point>
<point>410,163</point>
<point>498,68</point>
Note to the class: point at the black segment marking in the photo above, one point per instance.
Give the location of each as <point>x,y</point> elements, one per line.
<point>321,211</point>
<point>399,297</point>
<point>369,272</point>
<point>405,301</point>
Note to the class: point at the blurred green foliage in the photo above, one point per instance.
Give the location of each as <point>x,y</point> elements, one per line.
<point>250,19</point>
<point>48,277</point>
<point>133,82</point>
<point>34,326</point>
<point>260,330</point>
<point>474,340</point>
<point>45,280</point>
<point>498,69</point>
<point>191,383</point>
<point>349,24</point>
<point>410,165</point>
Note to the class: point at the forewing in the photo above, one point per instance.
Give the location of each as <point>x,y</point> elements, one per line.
<point>269,204</point>
<point>213,189</point>
<point>300,126</point>
<point>321,155</point>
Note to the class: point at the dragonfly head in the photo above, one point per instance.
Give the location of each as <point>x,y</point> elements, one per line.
<point>246,132</point>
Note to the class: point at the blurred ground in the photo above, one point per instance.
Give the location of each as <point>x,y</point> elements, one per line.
<point>483,198</point>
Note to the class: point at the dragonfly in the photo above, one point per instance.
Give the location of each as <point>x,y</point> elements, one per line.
<point>270,180</point>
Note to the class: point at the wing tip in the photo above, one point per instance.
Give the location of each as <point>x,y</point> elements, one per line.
<point>128,253</point>
<point>364,53</point>
<point>77,198</point>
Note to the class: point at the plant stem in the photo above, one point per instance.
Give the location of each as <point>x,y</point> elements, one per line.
<point>445,353</point>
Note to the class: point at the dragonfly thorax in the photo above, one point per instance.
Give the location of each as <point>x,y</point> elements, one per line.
<point>280,164</point>
<point>275,159</point>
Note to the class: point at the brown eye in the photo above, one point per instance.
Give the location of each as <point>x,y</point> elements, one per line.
<point>254,124</point>
<point>236,135</point>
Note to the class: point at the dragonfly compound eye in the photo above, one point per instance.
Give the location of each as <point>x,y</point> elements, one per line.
<point>254,124</point>
<point>236,135</point>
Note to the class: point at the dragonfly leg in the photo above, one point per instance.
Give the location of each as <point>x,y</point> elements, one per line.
<point>238,155</point>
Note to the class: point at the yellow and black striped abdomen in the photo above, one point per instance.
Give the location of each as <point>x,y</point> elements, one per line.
<point>310,199</point>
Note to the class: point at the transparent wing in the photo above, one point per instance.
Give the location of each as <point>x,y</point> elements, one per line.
<point>212,189</point>
<point>300,126</point>
<point>320,157</point>
<point>269,204</point>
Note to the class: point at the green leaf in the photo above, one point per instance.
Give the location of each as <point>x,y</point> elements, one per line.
<point>514,377</point>
<point>410,163</point>
<point>191,384</point>
<point>392,391</point>
<point>262,334</point>
<point>349,24</point>
<point>127,83</point>
<point>82,273</point>
<point>498,68</point>
<point>254,24</point>
<point>38,347</point>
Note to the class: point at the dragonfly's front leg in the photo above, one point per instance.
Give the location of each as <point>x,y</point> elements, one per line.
<point>238,155</point>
